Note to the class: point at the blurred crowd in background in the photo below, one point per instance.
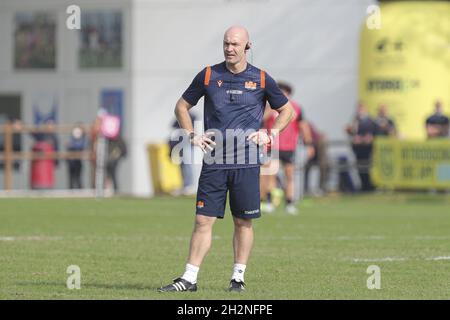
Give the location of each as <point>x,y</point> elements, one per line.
<point>46,140</point>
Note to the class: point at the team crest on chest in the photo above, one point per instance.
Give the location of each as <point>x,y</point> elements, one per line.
<point>219,83</point>
<point>250,85</point>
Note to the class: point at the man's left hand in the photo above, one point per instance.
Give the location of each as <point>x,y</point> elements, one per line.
<point>260,137</point>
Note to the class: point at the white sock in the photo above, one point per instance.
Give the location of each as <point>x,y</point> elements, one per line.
<point>238,272</point>
<point>191,273</point>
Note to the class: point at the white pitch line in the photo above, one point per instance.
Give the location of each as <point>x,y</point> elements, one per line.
<point>28,238</point>
<point>438,258</point>
<point>387,259</point>
<point>431,237</point>
<point>390,259</point>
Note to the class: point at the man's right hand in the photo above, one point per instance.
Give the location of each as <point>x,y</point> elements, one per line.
<point>203,141</point>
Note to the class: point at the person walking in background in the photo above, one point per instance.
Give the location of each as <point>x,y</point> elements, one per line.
<point>116,151</point>
<point>77,143</point>
<point>286,146</point>
<point>361,131</point>
<point>320,159</point>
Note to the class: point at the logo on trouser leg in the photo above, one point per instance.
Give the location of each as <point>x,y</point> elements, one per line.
<point>251,211</point>
<point>200,204</point>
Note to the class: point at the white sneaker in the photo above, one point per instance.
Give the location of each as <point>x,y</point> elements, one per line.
<point>291,209</point>
<point>267,207</point>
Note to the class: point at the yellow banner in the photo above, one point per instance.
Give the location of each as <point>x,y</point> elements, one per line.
<point>405,64</point>
<point>411,164</point>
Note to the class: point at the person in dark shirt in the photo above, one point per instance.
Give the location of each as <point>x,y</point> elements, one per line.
<point>362,131</point>
<point>319,158</point>
<point>235,94</point>
<point>116,150</point>
<point>384,125</point>
<point>77,143</point>
<point>437,125</point>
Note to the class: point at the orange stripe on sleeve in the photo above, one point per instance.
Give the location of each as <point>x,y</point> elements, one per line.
<point>207,75</point>
<point>263,79</point>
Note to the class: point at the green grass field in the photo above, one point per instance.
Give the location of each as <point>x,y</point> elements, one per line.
<point>126,248</point>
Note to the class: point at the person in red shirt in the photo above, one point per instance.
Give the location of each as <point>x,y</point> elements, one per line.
<point>286,146</point>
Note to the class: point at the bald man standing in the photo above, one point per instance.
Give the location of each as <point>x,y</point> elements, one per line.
<point>235,94</point>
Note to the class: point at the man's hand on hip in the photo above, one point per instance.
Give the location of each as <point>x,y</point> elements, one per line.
<point>261,137</point>
<point>203,141</point>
